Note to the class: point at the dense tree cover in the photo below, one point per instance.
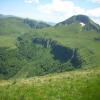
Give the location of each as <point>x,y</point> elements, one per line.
<point>9,63</point>
<point>38,59</point>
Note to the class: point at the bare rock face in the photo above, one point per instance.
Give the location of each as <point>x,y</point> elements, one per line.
<point>61,53</point>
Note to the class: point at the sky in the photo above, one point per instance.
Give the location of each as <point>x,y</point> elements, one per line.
<point>51,10</point>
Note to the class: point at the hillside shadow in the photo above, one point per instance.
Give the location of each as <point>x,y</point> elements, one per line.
<point>61,53</point>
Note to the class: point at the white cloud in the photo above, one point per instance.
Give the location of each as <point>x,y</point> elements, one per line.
<point>60,6</point>
<point>95,1</point>
<point>59,10</point>
<point>32,1</point>
<point>94,12</point>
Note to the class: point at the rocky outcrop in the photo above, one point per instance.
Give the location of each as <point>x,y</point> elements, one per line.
<point>47,43</point>
<point>61,53</point>
<point>97,39</point>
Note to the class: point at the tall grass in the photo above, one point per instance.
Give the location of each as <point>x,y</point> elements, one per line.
<point>74,85</point>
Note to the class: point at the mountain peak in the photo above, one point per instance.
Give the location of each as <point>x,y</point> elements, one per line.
<point>83,20</point>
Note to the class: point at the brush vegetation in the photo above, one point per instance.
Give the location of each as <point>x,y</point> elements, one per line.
<point>43,62</point>
<point>27,50</point>
<point>74,85</point>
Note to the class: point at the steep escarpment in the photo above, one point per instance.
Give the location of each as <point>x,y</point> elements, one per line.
<point>37,56</point>
<point>61,53</point>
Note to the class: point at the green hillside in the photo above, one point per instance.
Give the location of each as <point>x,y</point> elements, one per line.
<point>74,85</point>
<point>27,51</point>
<point>39,62</point>
<point>16,25</point>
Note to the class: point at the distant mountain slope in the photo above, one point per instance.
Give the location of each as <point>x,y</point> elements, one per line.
<point>83,20</point>
<point>11,24</point>
<point>35,24</point>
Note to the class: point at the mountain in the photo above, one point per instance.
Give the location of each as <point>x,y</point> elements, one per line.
<point>5,16</point>
<point>51,23</point>
<point>38,62</point>
<point>27,50</point>
<point>86,23</point>
<point>35,24</point>
<point>11,24</point>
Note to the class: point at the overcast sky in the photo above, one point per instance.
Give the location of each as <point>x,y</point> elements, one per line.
<point>51,10</point>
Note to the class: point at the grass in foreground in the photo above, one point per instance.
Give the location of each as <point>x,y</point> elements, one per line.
<point>74,85</point>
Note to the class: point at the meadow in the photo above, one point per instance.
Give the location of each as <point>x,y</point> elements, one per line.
<point>73,85</point>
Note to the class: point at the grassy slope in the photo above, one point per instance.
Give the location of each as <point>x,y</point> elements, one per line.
<point>10,29</point>
<point>73,36</point>
<point>6,41</point>
<point>84,41</point>
<point>74,85</point>
<point>12,26</point>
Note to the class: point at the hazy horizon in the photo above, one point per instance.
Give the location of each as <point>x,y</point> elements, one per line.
<point>51,10</point>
